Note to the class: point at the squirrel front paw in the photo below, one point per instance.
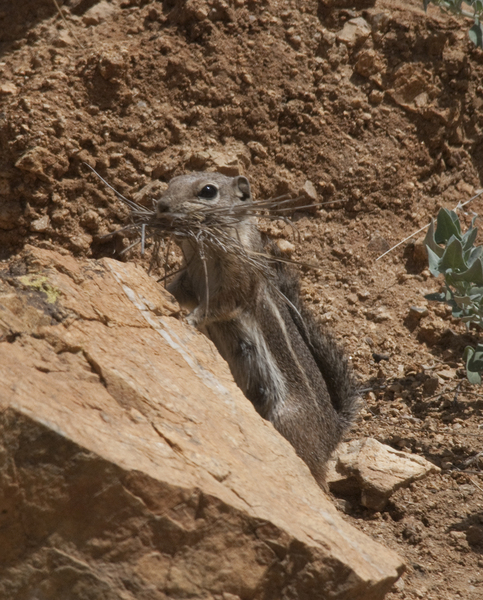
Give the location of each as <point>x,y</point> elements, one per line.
<point>196,318</point>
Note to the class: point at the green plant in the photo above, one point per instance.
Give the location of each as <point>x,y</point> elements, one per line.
<point>455,7</point>
<point>461,263</point>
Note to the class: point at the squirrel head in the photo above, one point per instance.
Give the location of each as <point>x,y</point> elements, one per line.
<point>194,192</point>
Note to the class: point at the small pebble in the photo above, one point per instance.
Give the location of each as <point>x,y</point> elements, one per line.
<point>418,311</point>
<point>40,224</point>
<point>285,246</point>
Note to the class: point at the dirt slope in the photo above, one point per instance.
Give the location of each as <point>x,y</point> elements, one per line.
<point>383,120</point>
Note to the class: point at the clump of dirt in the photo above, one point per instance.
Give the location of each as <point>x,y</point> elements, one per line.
<point>373,108</point>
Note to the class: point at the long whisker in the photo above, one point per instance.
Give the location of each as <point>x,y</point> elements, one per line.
<point>166,256</point>
<point>129,227</point>
<point>209,227</point>
<point>274,258</point>
<point>130,203</point>
<point>143,237</point>
<point>133,245</point>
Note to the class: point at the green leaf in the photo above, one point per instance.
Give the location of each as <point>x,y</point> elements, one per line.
<point>433,261</point>
<point>476,35</point>
<point>463,301</point>
<point>474,254</point>
<point>453,257</point>
<point>447,225</point>
<point>474,363</point>
<point>461,263</point>
<point>430,242</point>
<point>472,275</point>
<point>458,313</point>
<point>473,376</point>
<point>426,3</point>
<point>467,319</point>
<point>469,238</point>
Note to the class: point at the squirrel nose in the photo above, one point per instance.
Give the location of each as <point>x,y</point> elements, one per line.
<point>162,206</point>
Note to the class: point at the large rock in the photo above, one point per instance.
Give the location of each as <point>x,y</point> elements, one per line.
<point>132,467</point>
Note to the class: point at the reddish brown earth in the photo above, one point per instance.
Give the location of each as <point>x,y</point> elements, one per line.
<point>388,128</point>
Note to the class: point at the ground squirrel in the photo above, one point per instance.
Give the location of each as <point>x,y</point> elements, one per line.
<point>248,303</point>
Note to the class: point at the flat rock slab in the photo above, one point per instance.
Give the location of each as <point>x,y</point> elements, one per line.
<point>132,467</point>
<point>376,470</point>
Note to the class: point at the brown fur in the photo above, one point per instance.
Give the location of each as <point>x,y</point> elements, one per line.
<point>291,369</point>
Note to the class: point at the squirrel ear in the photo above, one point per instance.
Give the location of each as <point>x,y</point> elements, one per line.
<point>242,188</point>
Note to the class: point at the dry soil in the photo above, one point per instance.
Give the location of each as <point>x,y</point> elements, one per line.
<point>382,127</point>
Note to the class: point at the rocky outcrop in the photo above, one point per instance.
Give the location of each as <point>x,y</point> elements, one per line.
<point>132,467</point>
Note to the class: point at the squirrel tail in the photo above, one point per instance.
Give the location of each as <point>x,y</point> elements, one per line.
<point>334,365</point>
<point>330,358</point>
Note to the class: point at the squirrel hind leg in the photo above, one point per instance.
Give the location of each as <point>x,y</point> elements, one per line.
<point>314,440</point>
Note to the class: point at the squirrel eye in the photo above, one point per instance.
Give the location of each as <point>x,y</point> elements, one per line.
<point>208,192</point>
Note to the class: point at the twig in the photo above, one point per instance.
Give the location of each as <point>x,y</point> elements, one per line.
<point>404,240</point>
<point>459,205</point>
<point>456,393</point>
<point>81,46</point>
<point>475,484</point>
